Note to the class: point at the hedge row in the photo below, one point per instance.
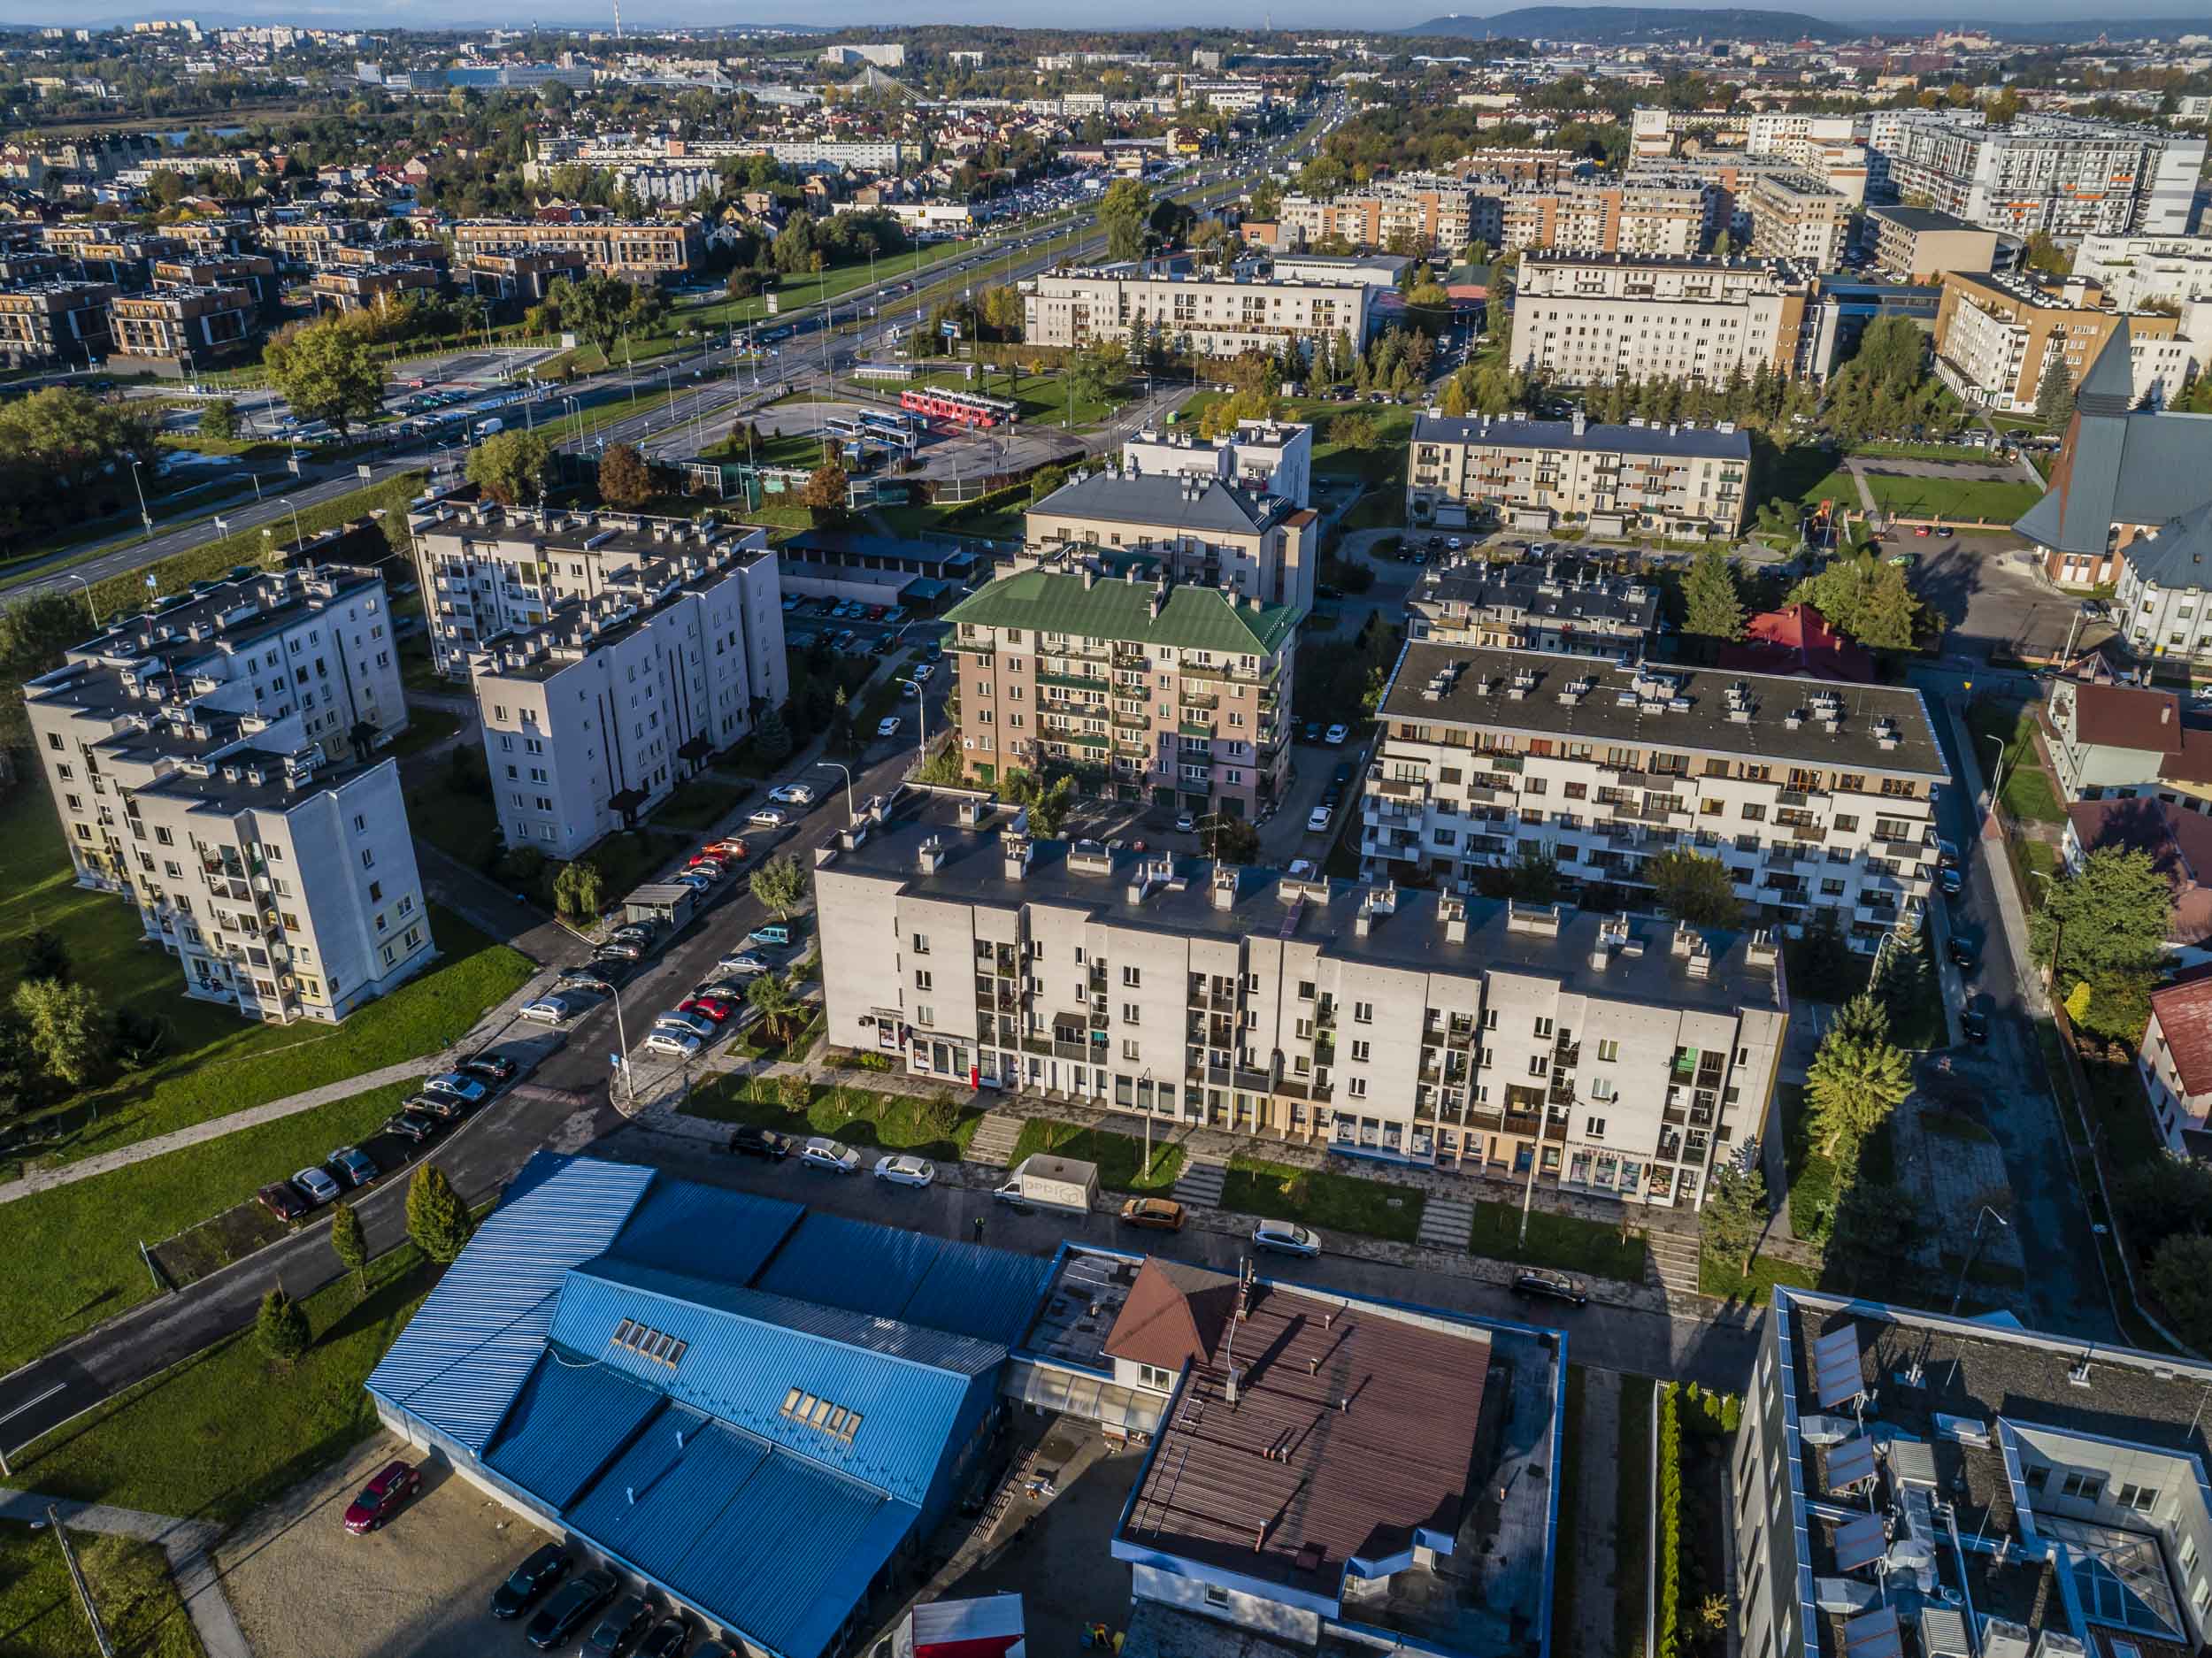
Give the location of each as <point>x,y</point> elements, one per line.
<point>1670,1574</point>
<point>119,595</point>
<point>982,506</point>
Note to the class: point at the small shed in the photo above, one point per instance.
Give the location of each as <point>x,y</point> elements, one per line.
<point>668,902</point>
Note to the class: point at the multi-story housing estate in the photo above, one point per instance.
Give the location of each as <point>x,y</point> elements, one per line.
<point>1209,316</point>
<point>346,288</point>
<point>592,717</point>
<point>862,155</point>
<point>212,760</point>
<point>521,277</point>
<point>256,272</point>
<point>2020,1493</point>
<point>64,324</point>
<point>1995,337</point>
<point>1796,217</point>
<point>1533,474</point>
<point>173,331</point>
<point>1424,212</point>
<point>1177,694</point>
<point>1199,526</point>
<point>650,251</point>
<point>2058,174</point>
<point>1264,458</point>
<point>1585,320</point>
<point>1918,244</point>
<point>2138,271</point>
<point>308,242</point>
<point>1815,796</point>
<point>1600,1054</point>
<point>1654,215</point>
<point>1562,604</point>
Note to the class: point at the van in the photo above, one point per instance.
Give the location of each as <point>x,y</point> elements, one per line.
<point>775,933</point>
<point>484,429</point>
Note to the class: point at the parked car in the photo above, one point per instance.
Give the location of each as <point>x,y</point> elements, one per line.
<point>887,727</point>
<point>694,880</point>
<point>1284,1238</point>
<point>451,1082</point>
<point>444,1107</point>
<point>539,1571</point>
<point>706,1007</point>
<point>681,1044</point>
<point>1975,1024</point>
<point>619,950</point>
<point>823,1153</point>
<point>1317,820</point>
<point>1963,955</point>
<point>595,979</point>
<point>744,964</point>
<point>316,1185</point>
<point>690,1023</point>
<point>1538,1282</point>
<point>352,1165</point>
<point>625,1620</point>
<point>767,817</point>
<point>490,1066</point>
<point>749,1140</point>
<point>382,1496</point>
<point>1951,882</point>
<point>565,1613</point>
<point>775,934</point>
<point>283,1200</point>
<point>924,674</point>
<point>410,1125</point>
<point>1337,734</point>
<point>666,1638</point>
<point>1157,1214</point>
<point>906,1170</point>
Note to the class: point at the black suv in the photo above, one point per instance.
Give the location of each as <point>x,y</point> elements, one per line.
<point>566,1611</point>
<point>749,1140</point>
<point>627,1619</point>
<point>1963,955</point>
<point>1557,1286</point>
<point>537,1574</point>
<point>490,1066</point>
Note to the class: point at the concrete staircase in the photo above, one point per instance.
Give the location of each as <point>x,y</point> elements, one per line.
<point>995,1138</point>
<point>1447,1223</point>
<point>1670,1260</point>
<point>1201,1182</point>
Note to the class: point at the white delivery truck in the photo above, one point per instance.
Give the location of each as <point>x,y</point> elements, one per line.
<point>1048,1182</point>
<point>484,429</point>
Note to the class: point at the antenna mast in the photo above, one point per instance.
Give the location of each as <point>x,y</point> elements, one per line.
<point>617,19</point>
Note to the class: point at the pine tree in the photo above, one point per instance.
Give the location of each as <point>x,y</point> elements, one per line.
<point>349,1243</point>
<point>2054,394</point>
<point>1735,1213</point>
<point>282,1328</point>
<point>1716,606</point>
<point>437,1220</point>
<point>772,738</point>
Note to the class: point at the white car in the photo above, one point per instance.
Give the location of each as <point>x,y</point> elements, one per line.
<point>1286,1239</point>
<point>792,793</point>
<point>767,817</point>
<point>686,1024</point>
<point>547,1009</point>
<point>1336,734</point>
<point>744,964</point>
<point>924,673</point>
<point>1317,820</point>
<point>1301,868</point>
<point>822,1152</point>
<point>905,1170</point>
<point>682,1044</point>
<point>320,1188</point>
<point>887,727</point>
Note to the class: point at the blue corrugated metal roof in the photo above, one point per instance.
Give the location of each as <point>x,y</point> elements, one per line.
<point>740,1366</point>
<point>570,1417</point>
<point>471,1345</point>
<point>706,1230</point>
<point>964,1288</point>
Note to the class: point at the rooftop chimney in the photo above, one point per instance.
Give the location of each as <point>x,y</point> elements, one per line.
<point>933,855</point>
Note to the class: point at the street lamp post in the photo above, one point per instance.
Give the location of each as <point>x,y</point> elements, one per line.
<point>88,604</point>
<point>144,517</point>
<point>1996,778</point>
<point>921,716</point>
<point>1987,1214</point>
<point>851,816</point>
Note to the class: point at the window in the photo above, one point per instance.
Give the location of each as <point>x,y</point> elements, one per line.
<point>1363,1013</point>
<point>1356,1087</point>
<point>1543,1027</point>
<point>1593,1127</point>
<point>921,944</point>
<point>2138,1497</point>
<point>836,1421</point>
<point>1155,1376</point>
<point>1609,1049</point>
<point>1129,1051</point>
<point>1131,978</point>
<point>1362,1052</point>
<point>2088,1488</point>
<point>922,980</point>
<point>1215,1595</point>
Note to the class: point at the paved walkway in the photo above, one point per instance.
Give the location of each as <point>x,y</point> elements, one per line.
<point>1597,1495</point>
<point>186,1542</point>
<point>2010,910</point>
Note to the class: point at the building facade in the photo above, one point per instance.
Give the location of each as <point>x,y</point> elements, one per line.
<point>213,761</point>
<point>651,251</point>
<point>1560,603</point>
<point>175,330</point>
<point>1535,475</point>
<point>1918,244</point>
<point>1249,542</point>
<point>1996,336</point>
<point>61,323</point>
<point>1584,321</point>
<point>1209,316</point>
<point>2058,174</point>
<point>2138,271</point>
<point>1666,215</point>
<point>1264,458</point>
<point>1794,216</point>
<point>1816,797</point>
<point>1611,1056</point>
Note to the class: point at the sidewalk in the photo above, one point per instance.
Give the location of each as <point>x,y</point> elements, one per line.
<point>2012,911</point>
<point>186,1542</point>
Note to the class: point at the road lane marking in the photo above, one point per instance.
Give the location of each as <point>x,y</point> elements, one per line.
<point>40,1399</point>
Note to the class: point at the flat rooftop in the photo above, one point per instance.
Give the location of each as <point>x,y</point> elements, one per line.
<point>1563,589</point>
<point>605,536</point>
<point>1665,706</point>
<point>1675,442</point>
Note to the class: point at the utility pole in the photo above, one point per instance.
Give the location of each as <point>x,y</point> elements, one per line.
<point>84,1590</point>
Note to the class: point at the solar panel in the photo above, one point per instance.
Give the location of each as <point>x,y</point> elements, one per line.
<point>1873,1635</point>
<point>1860,1542</point>
<point>1850,1462</point>
<point>1837,1374</point>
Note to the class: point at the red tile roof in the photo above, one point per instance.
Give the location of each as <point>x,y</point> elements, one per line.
<point>2184,1012</point>
<point>2179,840</point>
<point>1798,639</point>
<point>2192,763</point>
<point>1173,1314</point>
<point>2124,717</point>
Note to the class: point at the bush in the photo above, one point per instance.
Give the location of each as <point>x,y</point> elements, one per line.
<point>1670,1572</point>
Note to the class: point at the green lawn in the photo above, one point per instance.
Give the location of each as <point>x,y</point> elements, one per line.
<point>220,1435</point>
<point>1836,486</point>
<point>1911,495</point>
<point>1003,524</point>
<point>2028,794</point>
<point>1042,399</point>
<point>858,1116</point>
<point>1377,510</point>
<point>700,804</point>
<point>1756,1287</point>
<point>1563,1242</point>
<point>427,727</point>
<point>1119,1157</point>
<point>41,1617</point>
<point>73,1257</point>
<point>795,293</point>
<point>1322,1197</point>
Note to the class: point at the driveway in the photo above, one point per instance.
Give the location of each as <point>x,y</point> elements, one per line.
<point>1993,597</point>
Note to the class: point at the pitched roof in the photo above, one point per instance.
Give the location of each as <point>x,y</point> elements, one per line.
<point>2127,717</point>
<point>2119,466</point>
<point>1174,1314</point>
<point>1798,639</point>
<point>2178,554</point>
<point>1192,617</point>
<point>2179,842</point>
<point>2184,1012</point>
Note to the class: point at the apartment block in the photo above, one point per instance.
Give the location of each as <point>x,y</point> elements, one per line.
<point>1424,211</point>
<point>2020,1493</point>
<point>1559,603</point>
<point>339,288</point>
<point>1196,526</point>
<point>213,761</point>
<point>1652,215</point>
<point>2059,173</point>
<point>1587,319</point>
<point>313,241</point>
<point>1815,796</point>
<point>256,272</point>
<point>1796,217</point>
<point>645,252</point>
<point>175,330</point>
<point>1533,475</point>
<point>2138,271</point>
<point>1996,335</point>
<point>1145,689</point>
<point>1918,244</point>
<point>64,324</point>
<point>1210,316</point>
<point>1263,457</point>
<point>1605,1054</point>
<point>592,716</point>
<point>521,277</point>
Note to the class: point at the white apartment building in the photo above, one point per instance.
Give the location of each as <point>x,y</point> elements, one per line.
<point>591,718</point>
<point>2059,173</point>
<point>2135,271</point>
<point>1267,457</point>
<point>1560,603</point>
<point>1679,480</point>
<point>1210,316</point>
<point>1611,1056</point>
<point>212,760</point>
<point>1651,215</point>
<point>1584,321</point>
<point>1815,796</point>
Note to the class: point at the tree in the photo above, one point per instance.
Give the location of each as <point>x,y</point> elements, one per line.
<point>580,889</point>
<point>781,1012</point>
<point>624,480</point>
<point>1048,481</point>
<point>2044,254</point>
<point>349,1243</point>
<point>437,1220</point>
<point>1724,246</point>
<point>219,419</point>
<point>34,634</point>
<point>1453,400</point>
<point>826,487</point>
<point>1852,1086</point>
<point>282,1328</point>
<point>1822,971</point>
<point>1219,418</point>
<point>772,738</point>
<point>2054,392</point>
<point>2114,910</point>
<point>512,468</point>
<point>44,956</point>
<point>601,308</point>
<point>1876,1225</point>
<point>779,884</point>
<point>1735,1213</point>
<point>1716,605</point>
<point>1904,979</point>
<point>2162,1195</point>
<point>1693,887</point>
<point>324,371</point>
<point>1084,381</point>
<point>66,1026</point>
<point>2181,1277</point>
<point>1125,213</point>
<point>1534,878</point>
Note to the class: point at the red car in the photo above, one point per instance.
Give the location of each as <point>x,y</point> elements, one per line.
<point>1920,529</point>
<point>282,1200</point>
<point>733,851</point>
<point>381,1498</point>
<point>715,1007</point>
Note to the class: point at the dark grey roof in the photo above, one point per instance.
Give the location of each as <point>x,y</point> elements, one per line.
<point>1919,218</point>
<point>2108,388</point>
<point>1695,719</point>
<point>1170,500</point>
<point>1568,589</point>
<point>1684,442</point>
<point>2179,555</point>
<point>2144,466</point>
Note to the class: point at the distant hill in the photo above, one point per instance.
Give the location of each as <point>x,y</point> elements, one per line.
<point>1605,24</point>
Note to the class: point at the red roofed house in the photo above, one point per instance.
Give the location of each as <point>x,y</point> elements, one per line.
<point>1798,639</point>
<point>2175,1059</point>
<point>2110,740</point>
